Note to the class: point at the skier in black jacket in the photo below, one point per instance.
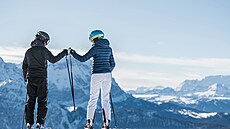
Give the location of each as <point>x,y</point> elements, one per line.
<point>35,72</point>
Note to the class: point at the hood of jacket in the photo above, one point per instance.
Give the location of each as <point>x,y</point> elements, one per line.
<point>102,43</point>
<point>37,42</point>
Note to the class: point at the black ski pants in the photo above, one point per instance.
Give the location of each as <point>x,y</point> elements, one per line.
<point>36,90</point>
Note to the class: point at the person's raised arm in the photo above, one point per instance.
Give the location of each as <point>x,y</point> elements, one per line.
<point>53,59</point>
<point>85,57</point>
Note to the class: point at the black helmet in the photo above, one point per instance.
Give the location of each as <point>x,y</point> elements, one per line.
<point>43,36</point>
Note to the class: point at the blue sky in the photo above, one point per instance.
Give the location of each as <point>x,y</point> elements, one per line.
<point>155,42</point>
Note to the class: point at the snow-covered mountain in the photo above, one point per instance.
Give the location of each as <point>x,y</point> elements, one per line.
<point>211,94</point>
<point>131,112</point>
<point>220,86</point>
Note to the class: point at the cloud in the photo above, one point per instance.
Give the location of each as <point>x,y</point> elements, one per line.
<point>12,54</point>
<point>174,72</point>
<point>217,63</point>
<point>135,78</point>
<point>178,69</point>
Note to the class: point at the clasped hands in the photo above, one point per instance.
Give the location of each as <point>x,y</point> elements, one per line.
<point>68,51</point>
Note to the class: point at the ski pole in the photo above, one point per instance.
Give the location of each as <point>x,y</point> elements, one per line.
<point>70,79</point>
<point>71,73</point>
<point>114,115</point>
<point>23,118</point>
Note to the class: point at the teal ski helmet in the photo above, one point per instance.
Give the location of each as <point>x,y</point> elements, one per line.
<point>96,34</point>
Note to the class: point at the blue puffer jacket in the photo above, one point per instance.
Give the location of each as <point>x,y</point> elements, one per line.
<point>103,61</point>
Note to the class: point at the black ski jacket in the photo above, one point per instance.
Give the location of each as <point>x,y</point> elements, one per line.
<point>35,60</point>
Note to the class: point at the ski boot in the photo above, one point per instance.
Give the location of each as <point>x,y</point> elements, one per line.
<point>40,126</point>
<point>89,124</point>
<point>28,126</point>
<point>106,125</point>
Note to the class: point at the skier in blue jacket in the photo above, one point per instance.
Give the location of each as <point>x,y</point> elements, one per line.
<point>103,65</point>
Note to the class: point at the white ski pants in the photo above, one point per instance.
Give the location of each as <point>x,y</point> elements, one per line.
<point>101,81</point>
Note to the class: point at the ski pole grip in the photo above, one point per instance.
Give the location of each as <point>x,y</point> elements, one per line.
<point>69,50</point>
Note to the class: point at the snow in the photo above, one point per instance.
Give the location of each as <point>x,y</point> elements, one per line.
<point>165,98</point>
<point>159,99</point>
<point>188,100</point>
<point>61,78</point>
<point>226,113</point>
<point>197,115</point>
<point>71,108</point>
<point>145,96</point>
<point>159,103</point>
<point>219,98</point>
<point>5,82</point>
<point>210,92</point>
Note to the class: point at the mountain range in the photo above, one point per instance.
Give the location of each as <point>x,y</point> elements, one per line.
<point>131,112</point>
<point>211,94</point>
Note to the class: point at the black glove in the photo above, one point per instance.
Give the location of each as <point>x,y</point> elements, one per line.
<point>72,51</point>
<point>65,51</point>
